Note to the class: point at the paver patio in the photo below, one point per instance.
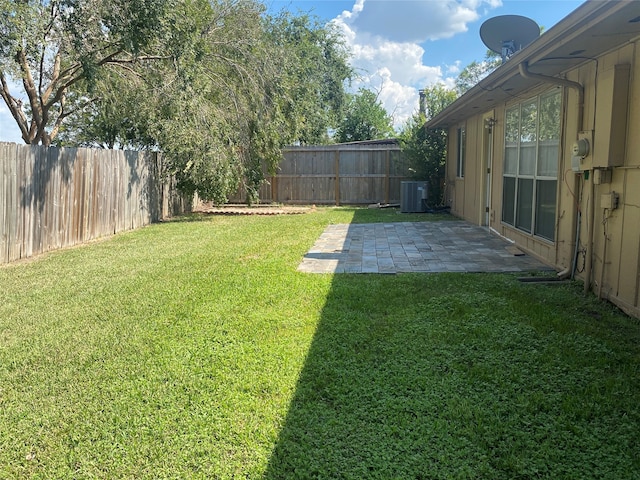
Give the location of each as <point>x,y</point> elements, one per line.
<point>444,246</point>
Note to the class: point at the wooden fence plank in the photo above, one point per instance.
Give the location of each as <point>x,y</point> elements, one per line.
<point>67,157</point>
<point>26,199</point>
<point>336,170</point>
<point>13,205</point>
<point>96,196</point>
<point>40,161</point>
<point>7,156</point>
<point>336,174</point>
<point>55,197</point>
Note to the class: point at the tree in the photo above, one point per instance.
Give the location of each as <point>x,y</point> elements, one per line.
<point>425,149</point>
<point>117,117</point>
<point>364,118</point>
<point>218,123</point>
<point>257,83</point>
<point>312,63</point>
<point>476,71</point>
<point>51,46</point>
<point>232,87</point>
<point>436,98</point>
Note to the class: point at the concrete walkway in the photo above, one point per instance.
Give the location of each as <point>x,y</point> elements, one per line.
<point>445,246</point>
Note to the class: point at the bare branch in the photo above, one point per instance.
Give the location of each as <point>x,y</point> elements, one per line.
<point>14,105</point>
<point>32,94</point>
<point>55,75</point>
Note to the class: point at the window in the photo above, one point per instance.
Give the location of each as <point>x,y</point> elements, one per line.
<point>530,174</point>
<point>462,140</point>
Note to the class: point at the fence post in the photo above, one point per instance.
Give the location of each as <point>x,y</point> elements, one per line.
<point>387,183</point>
<point>337,168</point>
<point>274,189</point>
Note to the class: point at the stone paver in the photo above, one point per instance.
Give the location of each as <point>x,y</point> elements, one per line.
<point>445,246</point>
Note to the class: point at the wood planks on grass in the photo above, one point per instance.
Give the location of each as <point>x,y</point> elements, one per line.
<point>54,197</point>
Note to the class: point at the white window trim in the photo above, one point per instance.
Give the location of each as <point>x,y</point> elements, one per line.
<point>535,177</point>
<point>461,147</point>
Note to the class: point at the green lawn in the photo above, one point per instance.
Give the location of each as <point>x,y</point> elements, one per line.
<point>194,349</point>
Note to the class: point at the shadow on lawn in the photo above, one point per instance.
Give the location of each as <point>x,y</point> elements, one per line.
<point>406,380</point>
<point>362,407</point>
<point>359,397</point>
<point>359,410</point>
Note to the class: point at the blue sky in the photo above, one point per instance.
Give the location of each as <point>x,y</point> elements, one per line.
<point>455,39</point>
<point>400,46</point>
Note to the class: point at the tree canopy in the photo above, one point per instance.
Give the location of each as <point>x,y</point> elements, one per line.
<point>425,149</point>
<point>476,71</point>
<point>436,98</point>
<point>218,86</point>
<point>364,118</point>
<point>52,46</point>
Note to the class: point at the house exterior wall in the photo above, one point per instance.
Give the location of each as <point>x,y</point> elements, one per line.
<point>616,249</point>
<point>463,192</point>
<point>610,238</point>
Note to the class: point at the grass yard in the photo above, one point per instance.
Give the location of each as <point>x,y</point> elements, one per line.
<point>194,349</point>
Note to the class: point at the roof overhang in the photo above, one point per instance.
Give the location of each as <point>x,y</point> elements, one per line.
<point>594,28</point>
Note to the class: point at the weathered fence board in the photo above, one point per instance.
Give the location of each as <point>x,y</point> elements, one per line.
<point>336,174</point>
<point>58,197</point>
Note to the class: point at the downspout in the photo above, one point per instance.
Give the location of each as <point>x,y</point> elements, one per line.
<point>524,72</point>
<point>523,68</point>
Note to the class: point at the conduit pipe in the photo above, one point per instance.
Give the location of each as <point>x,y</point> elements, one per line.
<point>496,232</point>
<point>523,68</point>
<point>591,219</point>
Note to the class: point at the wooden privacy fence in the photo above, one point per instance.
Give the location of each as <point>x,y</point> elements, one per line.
<point>337,174</point>
<point>53,197</point>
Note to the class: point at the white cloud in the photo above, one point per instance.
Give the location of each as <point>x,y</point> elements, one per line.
<point>396,71</point>
<point>413,20</point>
<point>454,69</point>
<point>385,39</point>
<point>355,10</point>
<point>402,60</point>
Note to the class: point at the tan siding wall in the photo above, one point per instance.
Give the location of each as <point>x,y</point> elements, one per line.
<point>472,174</point>
<point>455,186</point>
<point>495,214</point>
<point>471,192</point>
<point>616,265</point>
<point>465,194</point>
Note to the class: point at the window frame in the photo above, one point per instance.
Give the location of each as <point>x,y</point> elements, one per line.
<point>520,176</point>
<point>461,147</point>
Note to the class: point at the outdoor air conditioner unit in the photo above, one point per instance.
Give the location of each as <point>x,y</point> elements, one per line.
<point>413,197</point>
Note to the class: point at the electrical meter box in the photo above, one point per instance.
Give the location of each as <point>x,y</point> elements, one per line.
<point>581,152</point>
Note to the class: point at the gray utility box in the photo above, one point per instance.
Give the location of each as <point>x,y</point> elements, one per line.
<point>413,197</point>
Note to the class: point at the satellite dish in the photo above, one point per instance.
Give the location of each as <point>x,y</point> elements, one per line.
<point>507,34</point>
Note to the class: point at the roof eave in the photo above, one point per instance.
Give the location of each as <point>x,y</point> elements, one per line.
<point>493,89</point>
